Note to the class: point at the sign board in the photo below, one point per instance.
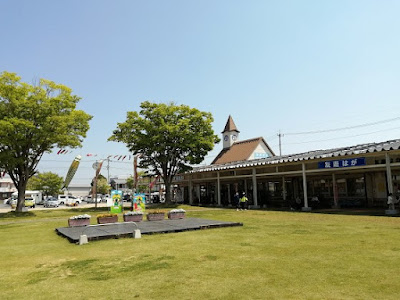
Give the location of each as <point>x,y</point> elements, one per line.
<point>139,202</point>
<point>116,197</point>
<point>342,163</point>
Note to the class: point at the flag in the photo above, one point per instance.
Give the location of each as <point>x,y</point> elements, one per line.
<point>72,170</point>
<point>154,182</point>
<point>135,171</point>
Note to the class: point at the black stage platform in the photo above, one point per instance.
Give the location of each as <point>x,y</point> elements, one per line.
<point>126,229</point>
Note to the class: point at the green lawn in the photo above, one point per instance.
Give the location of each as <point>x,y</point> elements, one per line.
<point>275,255</point>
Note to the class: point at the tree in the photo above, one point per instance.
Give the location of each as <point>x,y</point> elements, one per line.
<point>34,119</point>
<point>102,185</point>
<point>49,183</point>
<point>167,137</point>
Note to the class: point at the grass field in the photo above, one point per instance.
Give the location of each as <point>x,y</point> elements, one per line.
<point>275,255</point>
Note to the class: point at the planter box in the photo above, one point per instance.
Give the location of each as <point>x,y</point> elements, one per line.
<point>133,218</point>
<point>175,216</point>
<point>155,217</point>
<point>78,222</point>
<point>106,220</point>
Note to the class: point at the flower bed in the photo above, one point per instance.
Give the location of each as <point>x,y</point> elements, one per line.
<point>81,220</point>
<point>155,216</point>
<point>107,218</point>
<point>175,214</point>
<point>133,216</point>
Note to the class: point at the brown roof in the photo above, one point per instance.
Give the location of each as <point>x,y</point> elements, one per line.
<point>239,151</point>
<point>230,125</point>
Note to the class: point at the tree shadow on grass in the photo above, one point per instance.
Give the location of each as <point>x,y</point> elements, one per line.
<point>15,214</point>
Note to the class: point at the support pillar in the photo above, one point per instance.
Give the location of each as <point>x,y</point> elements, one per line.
<point>198,193</point>
<point>229,195</point>
<point>190,191</point>
<point>255,200</point>
<point>306,207</point>
<point>335,192</point>
<point>284,193</point>
<point>389,174</point>
<point>218,190</point>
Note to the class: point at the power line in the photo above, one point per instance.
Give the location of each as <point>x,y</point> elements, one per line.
<point>315,141</point>
<point>344,128</point>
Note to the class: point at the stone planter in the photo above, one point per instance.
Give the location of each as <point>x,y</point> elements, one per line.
<point>106,220</point>
<point>177,215</point>
<point>155,217</point>
<point>133,218</point>
<point>78,222</point>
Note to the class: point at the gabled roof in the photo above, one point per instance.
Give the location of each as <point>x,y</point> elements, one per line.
<point>230,125</point>
<point>391,145</point>
<point>239,151</point>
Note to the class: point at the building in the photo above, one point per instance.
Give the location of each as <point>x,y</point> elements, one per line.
<point>355,176</point>
<point>7,187</point>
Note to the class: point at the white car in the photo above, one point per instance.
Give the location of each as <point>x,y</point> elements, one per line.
<point>70,200</point>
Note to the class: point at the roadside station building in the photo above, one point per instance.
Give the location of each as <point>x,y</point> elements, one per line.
<point>355,176</point>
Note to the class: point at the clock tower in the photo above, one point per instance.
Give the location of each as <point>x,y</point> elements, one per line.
<point>230,134</point>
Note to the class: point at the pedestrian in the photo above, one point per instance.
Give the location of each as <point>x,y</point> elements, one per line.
<point>236,199</point>
<point>243,202</point>
<point>390,201</point>
<point>298,202</point>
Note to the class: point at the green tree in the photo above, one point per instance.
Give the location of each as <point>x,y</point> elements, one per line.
<point>168,138</point>
<point>102,185</point>
<point>34,119</point>
<point>49,183</point>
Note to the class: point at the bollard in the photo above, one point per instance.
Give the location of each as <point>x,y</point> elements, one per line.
<point>137,234</point>
<point>83,239</point>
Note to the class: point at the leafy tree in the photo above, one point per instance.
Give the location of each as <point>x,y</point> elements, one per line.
<point>49,183</point>
<point>102,185</point>
<point>34,119</point>
<point>167,137</point>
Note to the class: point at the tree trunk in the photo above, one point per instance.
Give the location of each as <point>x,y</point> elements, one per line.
<point>167,192</point>
<point>21,195</point>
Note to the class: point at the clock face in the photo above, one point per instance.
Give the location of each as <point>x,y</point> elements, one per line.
<point>234,137</point>
<point>225,138</point>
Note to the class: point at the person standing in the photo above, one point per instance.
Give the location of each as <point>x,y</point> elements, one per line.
<point>243,202</point>
<point>236,200</point>
<point>390,201</point>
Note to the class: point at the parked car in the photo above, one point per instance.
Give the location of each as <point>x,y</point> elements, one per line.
<point>70,200</point>
<point>29,202</point>
<point>51,202</point>
<point>89,198</point>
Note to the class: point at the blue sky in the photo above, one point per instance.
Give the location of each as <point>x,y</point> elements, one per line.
<point>293,66</point>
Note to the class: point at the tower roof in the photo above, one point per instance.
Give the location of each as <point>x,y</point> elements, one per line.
<point>230,125</point>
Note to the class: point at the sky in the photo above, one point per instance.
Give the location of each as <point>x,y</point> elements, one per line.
<point>292,67</point>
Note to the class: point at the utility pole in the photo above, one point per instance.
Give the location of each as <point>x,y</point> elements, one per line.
<point>108,170</point>
<point>280,135</point>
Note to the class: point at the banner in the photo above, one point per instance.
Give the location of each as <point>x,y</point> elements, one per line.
<point>116,197</point>
<point>72,170</point>
<point>139,202</point>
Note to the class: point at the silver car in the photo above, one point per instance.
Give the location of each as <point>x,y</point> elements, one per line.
<point>51,202</point>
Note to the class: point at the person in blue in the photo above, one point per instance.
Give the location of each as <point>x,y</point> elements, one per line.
<point>236,199</point>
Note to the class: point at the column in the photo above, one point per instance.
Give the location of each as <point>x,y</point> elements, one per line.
<point>218,190</point>
<point>335,192</point>
<point>305,208</point>
<point>389,174</point>
<point>284,193</point>
<point>190,191</point>
<point>198,194</point>
<point>255,200</point>
<point>229,195</point>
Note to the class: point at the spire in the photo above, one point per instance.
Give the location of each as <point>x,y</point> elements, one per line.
<point>230,125</point>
